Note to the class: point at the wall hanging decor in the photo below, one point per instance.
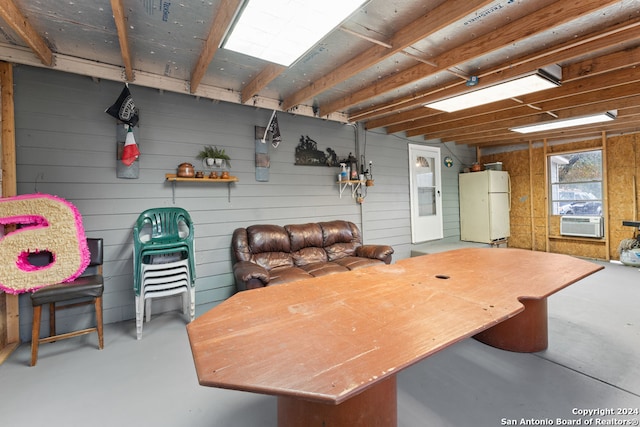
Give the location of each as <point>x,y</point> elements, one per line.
<point>49,225</point>
<point>124,109</point>
<point>448,161</point>
<point>263,161</point>
<point>127,152</point>
<point>307,154</point>
<point>130,152</point>
<point>272,128</point>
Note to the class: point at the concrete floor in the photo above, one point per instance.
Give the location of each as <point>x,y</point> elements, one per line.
<point>592,363</point>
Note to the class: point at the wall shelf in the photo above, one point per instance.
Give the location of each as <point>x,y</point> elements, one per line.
<point>353,183</point>
<point>173,178</point>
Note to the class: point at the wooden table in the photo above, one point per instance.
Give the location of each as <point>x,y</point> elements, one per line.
<point>330,347</point>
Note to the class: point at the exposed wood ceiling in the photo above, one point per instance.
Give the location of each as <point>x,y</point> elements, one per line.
<point>379,67</point>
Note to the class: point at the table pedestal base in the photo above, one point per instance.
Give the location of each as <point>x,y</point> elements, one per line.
<point>526,332</point>
<point>374,407</point>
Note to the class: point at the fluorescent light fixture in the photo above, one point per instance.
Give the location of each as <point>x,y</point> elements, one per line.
<point>281,31</point>
<point>539,80</point>
<point>565,123</point>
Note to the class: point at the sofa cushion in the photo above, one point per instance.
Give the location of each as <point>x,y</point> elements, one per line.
<point>354,262</point>
<point>340,239</point>
<point>309,256</point>
<point>271,260</point>
<point>339,232</point>
<point>323,268</point>
<point>304,236</point>
<point>306,244</point>
<point>270,246</point>
<point>287,274</point>
<point>340,250</point>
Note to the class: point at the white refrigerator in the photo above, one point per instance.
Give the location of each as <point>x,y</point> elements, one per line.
<point>485,203</point>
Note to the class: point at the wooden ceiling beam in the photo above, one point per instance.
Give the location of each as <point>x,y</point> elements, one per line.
<point>434,20</point>
<point>545,18</point>
<point>221,21</point>
<point>10,13</point>
<point>365,37</point>
<point>571,88</point>
<point>121,26</point>
<point>570,103</point>
<point>616,90</point>
<point>401,118</point>
<point>581,135</point>
<point>573,48</point>
<point>266,76</point>
<point>626,122</point>
<point>100,70</point>
<point>381,115</point>
<point>616,84</point>
<point>479,122</point>
<point>526,116</point>
<point>602,64</point>
<point>534,118</point>
<point>619,94</point>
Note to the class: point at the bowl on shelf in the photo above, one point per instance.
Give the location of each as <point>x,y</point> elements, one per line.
<point>186,170</point>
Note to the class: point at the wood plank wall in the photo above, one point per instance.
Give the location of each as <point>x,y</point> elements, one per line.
<point>66,146</point>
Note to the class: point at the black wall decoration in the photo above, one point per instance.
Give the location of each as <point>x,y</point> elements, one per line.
<point>307,154</point>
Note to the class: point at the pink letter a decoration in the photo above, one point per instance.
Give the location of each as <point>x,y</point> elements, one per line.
<point>46,224</point>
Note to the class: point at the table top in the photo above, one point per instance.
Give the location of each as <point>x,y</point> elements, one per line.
<point>328,338</point>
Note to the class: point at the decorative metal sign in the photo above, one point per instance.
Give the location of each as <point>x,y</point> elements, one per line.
<point>307,154</point>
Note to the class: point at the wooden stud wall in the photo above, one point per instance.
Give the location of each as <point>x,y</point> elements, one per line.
<point>531,225</point>
<point>9,320</point>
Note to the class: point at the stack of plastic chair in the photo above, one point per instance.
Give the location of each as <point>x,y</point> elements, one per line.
<point>163,260</point>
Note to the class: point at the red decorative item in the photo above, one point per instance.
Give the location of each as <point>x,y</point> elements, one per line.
<point>130,151</point>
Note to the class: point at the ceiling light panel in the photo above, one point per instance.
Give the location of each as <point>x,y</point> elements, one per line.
<point>281,31</point>
<point>509,89</point>
<point>565,123</point>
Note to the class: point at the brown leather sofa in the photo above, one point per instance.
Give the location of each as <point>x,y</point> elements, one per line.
<point>265,255</point>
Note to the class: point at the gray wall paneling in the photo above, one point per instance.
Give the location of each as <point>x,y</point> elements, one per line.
<point>66,146</point>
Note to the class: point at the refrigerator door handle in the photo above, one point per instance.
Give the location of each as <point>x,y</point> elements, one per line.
<point>509,189</point>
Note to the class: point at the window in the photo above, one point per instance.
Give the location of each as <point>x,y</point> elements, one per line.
<point>576,183</point>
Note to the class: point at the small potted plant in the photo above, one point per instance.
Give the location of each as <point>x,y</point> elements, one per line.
<point>211,155</point>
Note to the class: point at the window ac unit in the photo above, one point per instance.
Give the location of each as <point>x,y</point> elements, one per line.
<point>582,226</point>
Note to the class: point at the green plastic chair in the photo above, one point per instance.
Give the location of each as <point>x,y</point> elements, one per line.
<point>162,231</point>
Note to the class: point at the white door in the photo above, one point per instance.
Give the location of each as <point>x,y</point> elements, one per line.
<point>426,196</point>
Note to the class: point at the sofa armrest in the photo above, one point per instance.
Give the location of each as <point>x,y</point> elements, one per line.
<point>381,252</point>
<point>249,275</point>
